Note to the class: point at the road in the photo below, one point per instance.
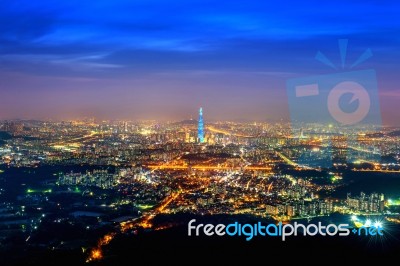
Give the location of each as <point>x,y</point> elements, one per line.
<point>202,167</point>
<point>286,159</point>
<point>84,138</point>
<point>215,130</point>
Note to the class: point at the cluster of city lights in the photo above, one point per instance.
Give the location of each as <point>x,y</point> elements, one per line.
<point>367,223</point>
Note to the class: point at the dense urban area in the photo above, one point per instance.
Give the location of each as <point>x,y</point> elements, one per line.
<point>101,178</point>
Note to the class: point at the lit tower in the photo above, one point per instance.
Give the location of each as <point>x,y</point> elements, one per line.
<point>200,132</point>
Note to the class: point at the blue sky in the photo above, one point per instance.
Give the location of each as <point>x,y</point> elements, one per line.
<point>164,59</point>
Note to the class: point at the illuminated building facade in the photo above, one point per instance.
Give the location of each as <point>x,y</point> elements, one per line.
<point>200,132</point>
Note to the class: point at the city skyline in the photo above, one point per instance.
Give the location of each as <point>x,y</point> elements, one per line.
<point>156,60</point>
<point>199,132</point>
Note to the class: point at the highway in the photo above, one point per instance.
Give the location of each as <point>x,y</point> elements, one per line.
<point>206,167</point>
<point>145,220</point>
<point>215,130</point>
<point>286,159</point>
<point>376,170</point>
<point>84,138</point>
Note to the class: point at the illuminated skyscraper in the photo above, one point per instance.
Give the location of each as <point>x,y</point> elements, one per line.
<point>200,132</point>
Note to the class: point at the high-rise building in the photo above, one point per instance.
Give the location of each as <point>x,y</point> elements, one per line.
<point>200,132</point>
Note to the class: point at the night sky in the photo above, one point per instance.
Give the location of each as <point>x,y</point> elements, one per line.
<point>141,59</point>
